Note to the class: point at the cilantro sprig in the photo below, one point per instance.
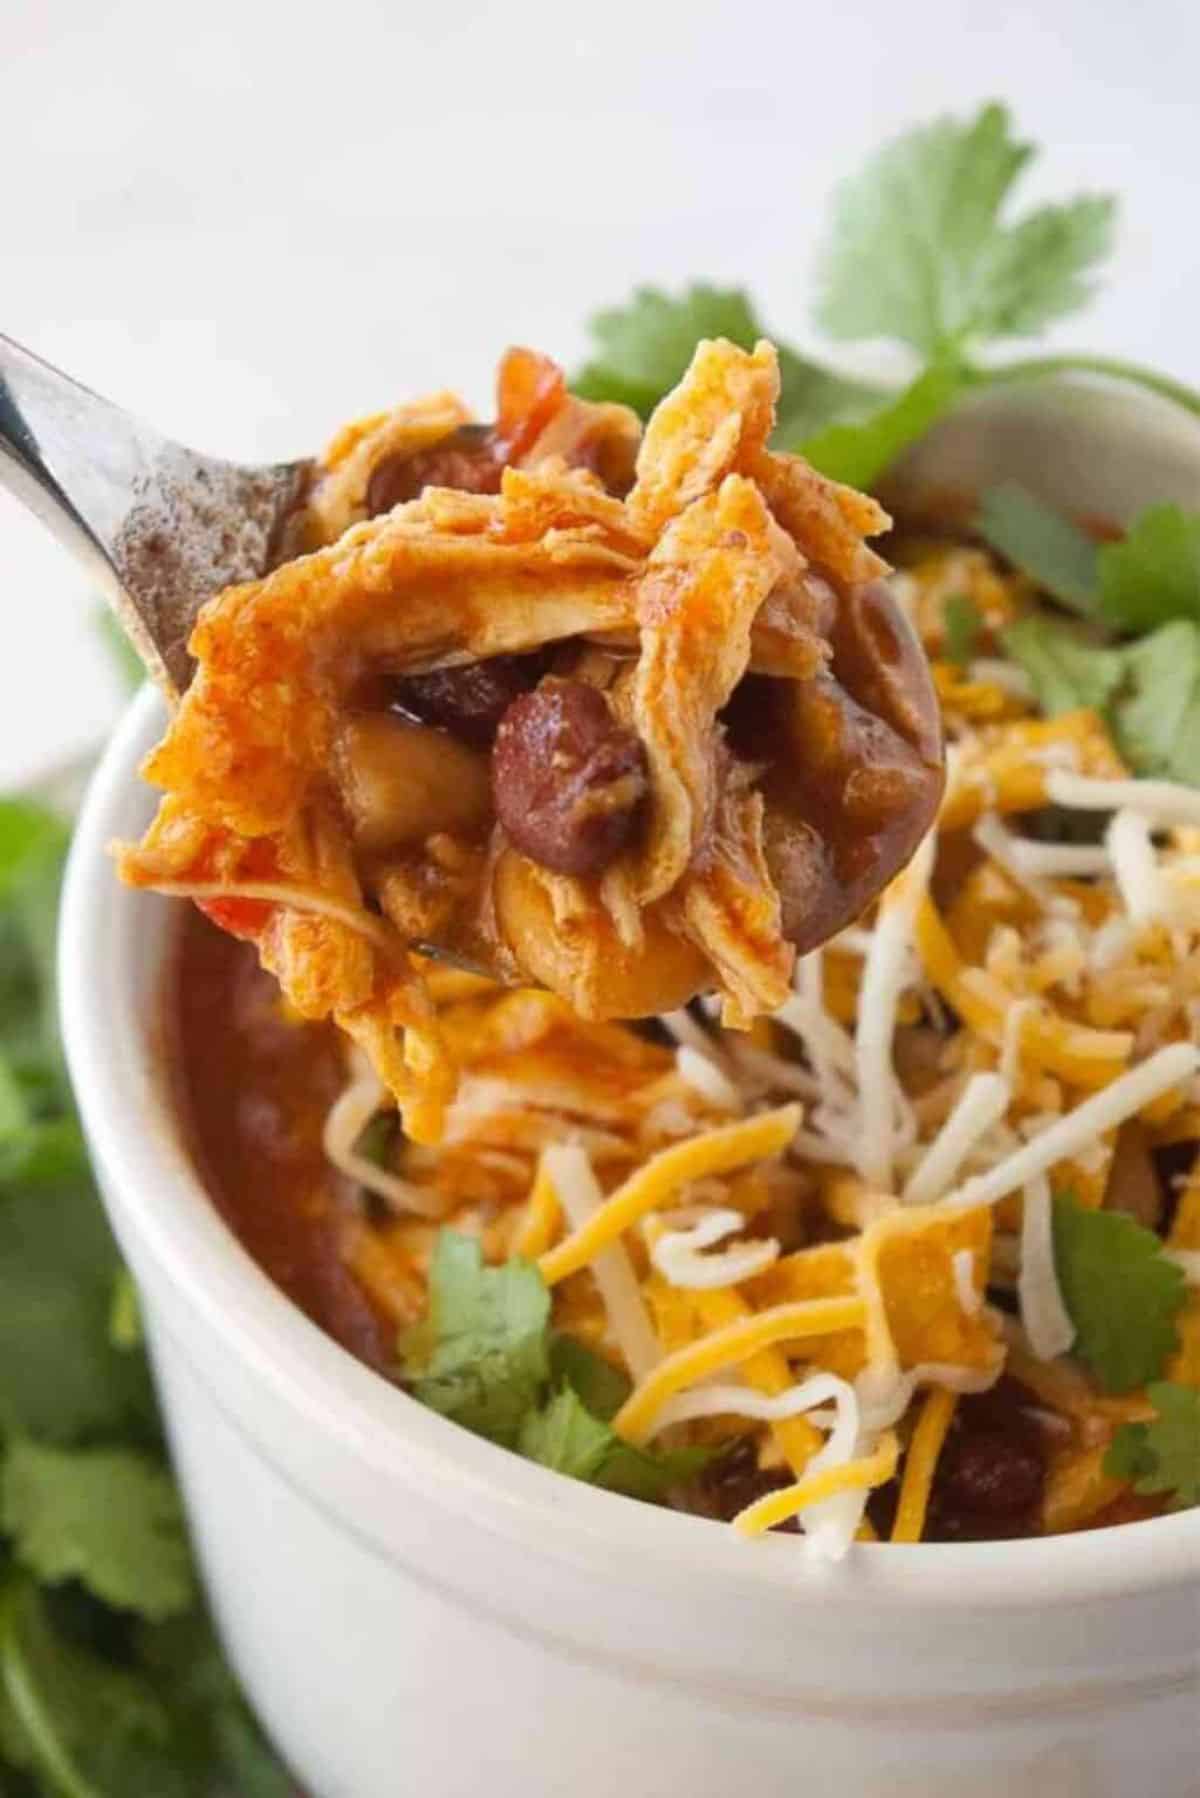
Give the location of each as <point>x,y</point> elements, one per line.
<point>1121,1291</point>
<point>487,1356</point>
<point>1147,585</point>
<point>1162,1457</point>
<point>924,251</point>
<point>111,1679</point>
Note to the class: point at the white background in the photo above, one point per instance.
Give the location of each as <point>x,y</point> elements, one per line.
<point>251,221</point>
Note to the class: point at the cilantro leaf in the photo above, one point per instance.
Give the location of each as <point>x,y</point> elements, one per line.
<point>962,624</point>
<point>1162,1456</point>
<point>642,351</point>
<point>1121,1291</point>
<point>1153,574</point>
<point>33,846</point>
<point>918,251</point>
<point>481,1355</point>
<point>214,1728</point>
<point>1157,716</point>
<point>643,348</point>
<point>61,1380</point>
<point>1042,544</point>
<point>858,450</point>
<point>107,1516</point>
<point>1066,670</point>
<point>90,1729</point>
<point>602,1387</point>
<point>565,1436</point>
<point>1148,691</point>
<point>487,1357</point>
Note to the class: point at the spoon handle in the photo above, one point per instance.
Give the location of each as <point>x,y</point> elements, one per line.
<point>67,454</point>
<point>158,528</point>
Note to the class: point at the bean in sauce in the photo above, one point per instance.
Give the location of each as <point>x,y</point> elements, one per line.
<point>567,778</point>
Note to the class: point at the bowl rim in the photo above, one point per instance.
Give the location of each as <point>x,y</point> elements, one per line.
<point>160,1204</point>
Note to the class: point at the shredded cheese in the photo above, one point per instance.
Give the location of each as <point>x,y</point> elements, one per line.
<point>883,981</point>
<point>768,1372</point>
<point>1044,1315</point>
<point>776,1507</point>
<point>1135,866</point>
<point>920,1464</point>
<point>542,1217</point>
<point>677,1253</point>
<point>981,1105</point>
<point>345,1122</point>
<point>568,1168</point>
<point>703,1075</point>
<point>1001,845</point>
<point>965,1290</point>
<point>729,1347</point>
<point>653,1185</point>
<point>739,1401</point>
<point>1075,1052</point>
<point>1068,1136</point>
<point>1166,802</point>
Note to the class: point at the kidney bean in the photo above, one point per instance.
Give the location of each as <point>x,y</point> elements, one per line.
<point>469,459</point>
<point>470,701</point>
<point>566,777</point>
<point>735,1480</point>
<point>991,1472</point>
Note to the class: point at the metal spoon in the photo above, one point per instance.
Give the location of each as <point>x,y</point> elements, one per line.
<point>158,527</point>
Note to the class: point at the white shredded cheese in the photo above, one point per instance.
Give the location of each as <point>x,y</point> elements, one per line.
<point>1010,1048</point>
<point>1067,1137</point>
<point>345,1122</point>
<point>1135,866</point>
<point>969,1298</point>
<point>830,1049</point>
<point>1044,1315</point>
<point>981,1105</point>
<point>883,982</point>
<point>773,1070</point>
<point>724,1399</point>
<point>570,1173</point>
<point>677,1254</point>
<point>702,1074</point>
<point>1059,860</point>
<point>1165,802</point>
<point>997,842</point>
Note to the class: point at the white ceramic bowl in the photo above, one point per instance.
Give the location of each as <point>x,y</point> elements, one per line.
<point>414,1610</point>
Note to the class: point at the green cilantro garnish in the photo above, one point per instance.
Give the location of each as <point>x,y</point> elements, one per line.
<point>919,250</point>
<point>1122,1293</point>
<point>1163,1456</point>
<point>1149,692</point>
<point>1157,717</point>
<point>963,626</point>
<point>1067,670</point>
<point>1149,689</point>
<point>1153,574</point>
<point>566,1436</point>
<point>93,1702</point>
<point>642,350</point>
<point>109,1517</point>
<point>487,1357</point>
<point>481,1355</point>
<point>1042,544</point>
